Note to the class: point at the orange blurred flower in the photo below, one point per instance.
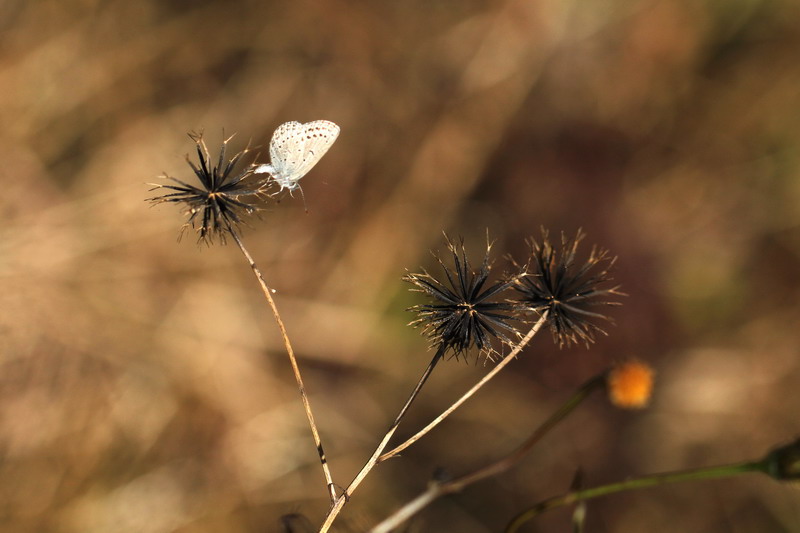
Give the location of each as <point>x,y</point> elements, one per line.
<point>630,384</point>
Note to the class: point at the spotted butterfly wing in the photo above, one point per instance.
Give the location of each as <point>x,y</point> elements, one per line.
<point>295,148</point>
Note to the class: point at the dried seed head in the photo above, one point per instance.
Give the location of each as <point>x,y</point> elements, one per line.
<point>567,289</point>
<point>218,206</point>
<point>465,312</point>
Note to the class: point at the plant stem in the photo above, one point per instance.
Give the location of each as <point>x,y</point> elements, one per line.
<point>506,360</point>
<point>438,489</point>
<point>295,368</point>
<point>377,457</point>
<point>410,509</point>
<point>425,375</point>
<point>373,460</point>
<point>712,472</point>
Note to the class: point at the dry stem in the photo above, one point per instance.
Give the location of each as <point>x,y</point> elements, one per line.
<point>295,368</point>
<point>377,458</point>
<point>437,489</point>
<point>436,421</point>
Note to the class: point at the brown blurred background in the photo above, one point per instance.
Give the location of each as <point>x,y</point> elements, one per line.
<point>144,387</point>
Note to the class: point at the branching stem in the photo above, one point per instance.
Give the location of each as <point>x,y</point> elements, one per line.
<point>436,490</point>
<point>373,460</point>
<point>467,395</point>
<point>376,455</point>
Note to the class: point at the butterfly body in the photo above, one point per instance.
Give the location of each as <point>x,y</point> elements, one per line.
<point>295,148</point>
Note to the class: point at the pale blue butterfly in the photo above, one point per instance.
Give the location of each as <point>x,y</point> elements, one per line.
<point>294,150</point>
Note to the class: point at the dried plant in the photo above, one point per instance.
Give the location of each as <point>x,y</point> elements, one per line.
<point>468,311</point>
<point>224,198</point>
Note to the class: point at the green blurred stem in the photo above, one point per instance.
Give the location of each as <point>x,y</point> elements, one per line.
<point>712,472</point>
<point>438,489</point>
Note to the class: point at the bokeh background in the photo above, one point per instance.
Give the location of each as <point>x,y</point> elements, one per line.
<point>143,385</point>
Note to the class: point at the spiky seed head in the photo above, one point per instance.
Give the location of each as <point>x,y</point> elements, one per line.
<point>568,289</point>
<point>466,312</point>
<point>219,205</point>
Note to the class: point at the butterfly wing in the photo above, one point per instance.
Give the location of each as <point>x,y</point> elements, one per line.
<point>282,148</point>
<point>295,148</point>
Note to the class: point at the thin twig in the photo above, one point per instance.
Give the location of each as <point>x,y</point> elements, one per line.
<point>377,458</point>
<point>506,360</point>
<point>434,491</point>
<point>295,368</point>
<point>424,378</point>
<point>373,460</point>
<point>438,489</point>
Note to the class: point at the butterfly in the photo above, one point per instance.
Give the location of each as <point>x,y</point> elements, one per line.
<point>294,150</point>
